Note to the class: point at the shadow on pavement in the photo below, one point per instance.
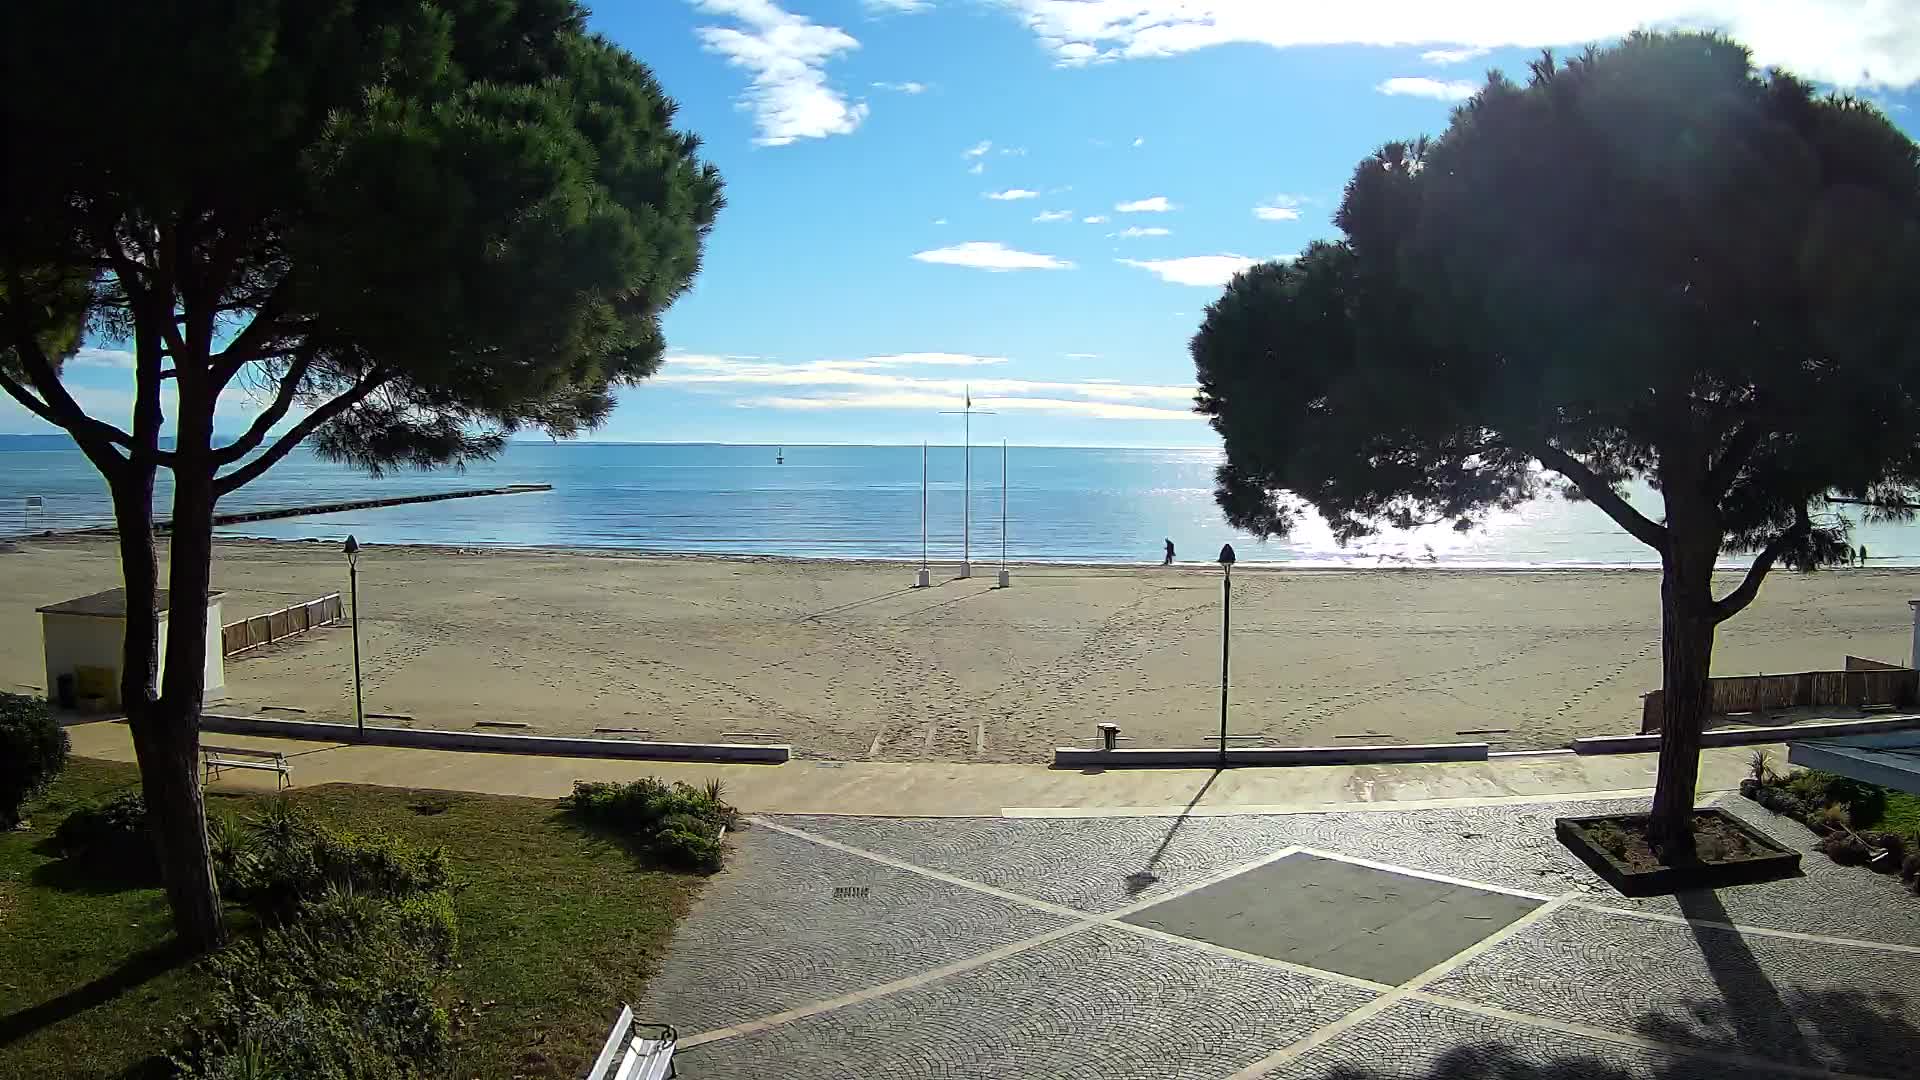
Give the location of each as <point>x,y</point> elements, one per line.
<point>1137,881</point>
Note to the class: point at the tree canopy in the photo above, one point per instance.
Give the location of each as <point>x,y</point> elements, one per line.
<point>394,230</point>
<point>425,225</point>
<point>1649,263</point>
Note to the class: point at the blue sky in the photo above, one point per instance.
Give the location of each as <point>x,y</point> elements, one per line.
<point>1038,198</point>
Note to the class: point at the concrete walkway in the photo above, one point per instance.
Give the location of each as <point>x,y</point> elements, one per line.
<point>947,789</point>
<point>1445,943</point>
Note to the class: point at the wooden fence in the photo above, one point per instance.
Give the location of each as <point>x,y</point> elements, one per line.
<point>1864,683</point>
<point>238,637</point>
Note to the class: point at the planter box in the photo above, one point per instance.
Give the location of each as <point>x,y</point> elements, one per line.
<point>1778,862</point>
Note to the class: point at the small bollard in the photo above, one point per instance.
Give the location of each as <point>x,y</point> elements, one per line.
<point>1109,736</point>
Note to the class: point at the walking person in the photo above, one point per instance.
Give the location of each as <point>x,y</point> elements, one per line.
<point>1169,559</point>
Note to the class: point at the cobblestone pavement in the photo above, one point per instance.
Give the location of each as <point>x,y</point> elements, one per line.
<point>1012,948</point>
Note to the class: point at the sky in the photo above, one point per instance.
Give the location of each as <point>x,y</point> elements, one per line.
<point>1036,199</point>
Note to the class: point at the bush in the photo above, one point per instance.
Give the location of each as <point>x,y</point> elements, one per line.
<point>345,990</point>
<point>1844,848</point>
<point>1818,789</point>
<point>1910,866</point>
<point>280,860</point>
<point>1781,801</point>
<point>33,750</point>
<point>677,824</point>
<point>109,839</point>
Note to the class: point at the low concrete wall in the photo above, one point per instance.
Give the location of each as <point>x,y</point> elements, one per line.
<point>1746,736</point>
<point>430,739</point>
<point>1208,757</point>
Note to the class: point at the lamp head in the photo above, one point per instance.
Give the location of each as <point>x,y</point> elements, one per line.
<point>1226,554</point>
<point>351,547</point>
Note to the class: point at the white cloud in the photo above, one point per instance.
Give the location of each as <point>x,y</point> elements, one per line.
<point>1156,205</point>
<point>1135,232</point>
<point>978,149</point>
<point>902,87</point>
<point>868,383</point>
<point>1453,56</point>
<point>1054,215</point>
<point>1095,219</point>
<point>939,221</point>
<point>1456,90</point>
<point>1279,208</point>
<point>1013,151</point>
<point>996,257</point>
<point>977,168</point>
<point>1086,356</point>
<point>103,358</point>
<point>787,56</point>
<point>1213,270</point>
<point>1850,43</point>
<point>1011,194</point>
<point>1139,141</point>
<point>897,7</point>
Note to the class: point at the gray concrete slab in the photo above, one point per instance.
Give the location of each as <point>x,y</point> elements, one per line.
<point>1415,1040</point>
<point>1808,1004</point>
<point>1101,1004</point>
<point>1338,916</point>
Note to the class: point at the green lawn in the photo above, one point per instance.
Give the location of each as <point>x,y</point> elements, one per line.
<point>557,928</point>
<point>1901,815</point>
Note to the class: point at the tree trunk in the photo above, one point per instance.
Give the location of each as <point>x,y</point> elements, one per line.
<point>1686,662</point>
<point>174,801</point>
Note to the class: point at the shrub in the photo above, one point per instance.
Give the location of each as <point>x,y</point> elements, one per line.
<point>286,860</point>
<point>109,839</point>
<point>1781,801</point>
<point>1834,817</point>
<point>33,750</point>
<point>1817,789</point>
<point>677,824</point>
<point>344,990</point>
<point>1844,848</point>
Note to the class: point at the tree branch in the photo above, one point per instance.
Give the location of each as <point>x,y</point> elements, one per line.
<point>1736,601</point>
<point>1601,494</point>
<point>96,437</point>
<point>275,412</point>
<point>246,474</point>
<point>248,345</point>
<point>1740,447</point>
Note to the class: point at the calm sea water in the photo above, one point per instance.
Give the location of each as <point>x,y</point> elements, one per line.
<point>1066,505</point>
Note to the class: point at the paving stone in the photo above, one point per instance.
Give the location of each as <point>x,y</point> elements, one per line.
<point>1839,1007</point>
<point>1099,864</point>
<point>1415,1040</point>
<point>768,934</point>
<point>1101,1004</point>
<point>1338,916</point>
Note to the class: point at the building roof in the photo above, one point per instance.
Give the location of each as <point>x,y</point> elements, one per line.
<point>1891,760</point>
<point>111,604</point>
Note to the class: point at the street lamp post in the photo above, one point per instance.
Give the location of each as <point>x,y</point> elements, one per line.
<point>1226,639</point>
<point>352,549</point>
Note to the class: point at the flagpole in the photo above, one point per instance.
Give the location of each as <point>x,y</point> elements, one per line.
<point>925,577</point>
<point>1006,579</point>
<point>966,496</point>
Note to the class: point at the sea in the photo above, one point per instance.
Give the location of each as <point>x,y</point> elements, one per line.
<point>1023,503</point>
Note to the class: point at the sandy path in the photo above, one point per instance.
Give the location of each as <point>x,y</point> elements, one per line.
<point>843,661</point>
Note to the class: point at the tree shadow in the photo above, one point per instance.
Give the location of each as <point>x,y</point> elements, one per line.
<point>1866,1034</point>
<point>137,969</point>
<point>1750,1009</point>
<point>92,876</point>
<point>1138,881</point>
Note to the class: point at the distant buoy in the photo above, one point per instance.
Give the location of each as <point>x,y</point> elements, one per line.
<point>780,456</point>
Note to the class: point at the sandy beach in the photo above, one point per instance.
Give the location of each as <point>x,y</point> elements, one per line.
<point>842,660</point>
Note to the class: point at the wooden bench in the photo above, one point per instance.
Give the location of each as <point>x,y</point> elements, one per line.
<point>635,1051</point>
<point>218,759</point>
